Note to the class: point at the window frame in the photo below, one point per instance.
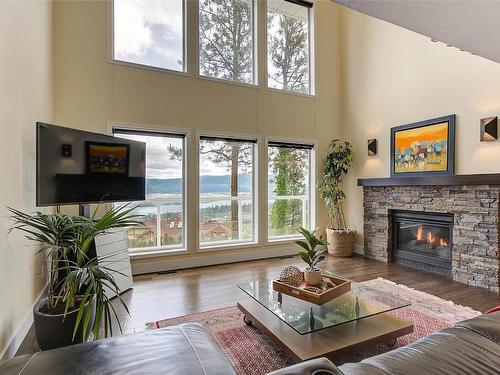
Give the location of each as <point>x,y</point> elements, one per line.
<point>111,44</point>
<point>312,187</point>
<point>311,52</point>
<point>151,251</point>
<point>229,245</point>
<point>255,54</point>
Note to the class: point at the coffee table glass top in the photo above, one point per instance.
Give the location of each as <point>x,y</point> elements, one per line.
<point>305,317</point>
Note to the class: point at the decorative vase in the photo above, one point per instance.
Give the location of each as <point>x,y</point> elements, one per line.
<point>340,242</point>
<point>56,330</point>
<point>312,277</point>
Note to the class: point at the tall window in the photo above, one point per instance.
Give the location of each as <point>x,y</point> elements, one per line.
<point>226,35</point>
<point>227,207</point>
<point>149,32</point>
<point>163,211</point>
<point>289,45</point>
<point>289,189</point>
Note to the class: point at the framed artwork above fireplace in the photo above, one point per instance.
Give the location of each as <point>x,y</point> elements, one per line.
<point>425,148</point>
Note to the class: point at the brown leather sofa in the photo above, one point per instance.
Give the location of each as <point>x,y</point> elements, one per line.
<point>472,347</point>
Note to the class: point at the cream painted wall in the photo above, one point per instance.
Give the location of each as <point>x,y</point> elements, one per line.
<point>25,97</point>
<point>392,76</point>
<point>90,92</point>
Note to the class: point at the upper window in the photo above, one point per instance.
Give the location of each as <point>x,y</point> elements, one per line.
<point>289,189</point>
<point>289,45</point>
<point>149,32</point>
<point>227,207</point>
<point>162,213</point>
<point>226,37</point>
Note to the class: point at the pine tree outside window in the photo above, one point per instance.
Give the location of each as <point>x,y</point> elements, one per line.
<point>226,40</point>
<point>289,189</point>
<point>289,47</point>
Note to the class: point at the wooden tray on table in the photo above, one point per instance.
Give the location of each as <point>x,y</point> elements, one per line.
<point>342,286</point>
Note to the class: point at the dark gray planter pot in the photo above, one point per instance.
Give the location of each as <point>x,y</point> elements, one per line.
<point>54,331</point>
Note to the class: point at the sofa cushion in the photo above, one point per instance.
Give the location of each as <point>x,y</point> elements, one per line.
<point>179,350</point>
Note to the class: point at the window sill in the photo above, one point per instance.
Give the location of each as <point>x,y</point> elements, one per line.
<point>148,67</point>
<point>280,241</point>
<point>227,246</point>
<point>157,252</point>
<point>227,81</point>
<point>278,91</point>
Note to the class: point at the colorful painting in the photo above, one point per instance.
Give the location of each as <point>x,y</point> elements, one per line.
<point>423,148</point>
<point>107,158</point>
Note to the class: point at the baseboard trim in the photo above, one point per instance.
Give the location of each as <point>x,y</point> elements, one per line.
<point>203,260</point>
<point>359,249</point>
<point>21,332</point>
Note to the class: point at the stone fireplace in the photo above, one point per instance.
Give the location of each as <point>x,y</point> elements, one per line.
<point>449,229</point>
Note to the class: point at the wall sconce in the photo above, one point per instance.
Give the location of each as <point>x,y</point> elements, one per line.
<point>372,147</point>
<point>489,129</point>
<point>67,151</point>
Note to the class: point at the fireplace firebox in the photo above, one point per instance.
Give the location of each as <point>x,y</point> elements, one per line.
<point>423,240</point>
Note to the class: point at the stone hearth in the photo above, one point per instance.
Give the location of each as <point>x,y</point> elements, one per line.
<point>475,209</point>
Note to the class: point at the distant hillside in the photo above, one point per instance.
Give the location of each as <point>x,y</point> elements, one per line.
<point>209,184</point>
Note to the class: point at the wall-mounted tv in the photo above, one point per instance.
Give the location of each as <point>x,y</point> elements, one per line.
<point>79,167</point>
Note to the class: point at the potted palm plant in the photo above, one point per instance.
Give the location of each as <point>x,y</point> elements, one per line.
<point>340,238</point>
<point>76,303</point>
<point>311,256</point>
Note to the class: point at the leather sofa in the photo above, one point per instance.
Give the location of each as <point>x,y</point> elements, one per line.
<point>472,347</point>
<point>186,349</point>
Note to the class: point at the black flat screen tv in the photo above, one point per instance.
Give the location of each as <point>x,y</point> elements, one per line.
<point>79,167</point>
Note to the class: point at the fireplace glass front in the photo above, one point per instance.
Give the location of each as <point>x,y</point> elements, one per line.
<point>423,240</point>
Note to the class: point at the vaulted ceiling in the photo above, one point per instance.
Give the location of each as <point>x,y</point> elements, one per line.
<point>470,25</point>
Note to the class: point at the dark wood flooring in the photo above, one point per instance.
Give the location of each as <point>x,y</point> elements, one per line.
<point>155,297</point>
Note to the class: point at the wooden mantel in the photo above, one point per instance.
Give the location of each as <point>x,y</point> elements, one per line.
<point>465,179</point>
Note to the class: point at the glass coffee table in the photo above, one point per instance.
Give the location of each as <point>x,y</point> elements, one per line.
<point>306,330</point>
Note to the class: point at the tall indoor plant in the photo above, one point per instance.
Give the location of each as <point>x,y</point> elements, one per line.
<point>76,303</point>
<point>337,163</point>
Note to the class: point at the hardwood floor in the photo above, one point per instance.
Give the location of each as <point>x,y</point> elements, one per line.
<point>155,297</point>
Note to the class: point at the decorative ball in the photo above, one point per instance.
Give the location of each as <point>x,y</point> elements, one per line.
<point>291,275</point>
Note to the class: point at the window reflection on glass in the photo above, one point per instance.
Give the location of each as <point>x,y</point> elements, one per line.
<point>289,199</point>
<point>226,191</point>
<point>163,211</point>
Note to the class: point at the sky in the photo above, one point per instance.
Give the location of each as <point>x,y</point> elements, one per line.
<point>149,32</point>
<point>161,165</point>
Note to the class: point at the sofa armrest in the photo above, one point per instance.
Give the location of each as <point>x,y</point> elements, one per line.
<point>319,366</point>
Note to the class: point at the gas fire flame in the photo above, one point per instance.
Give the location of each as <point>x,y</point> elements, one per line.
<point>429,238</point>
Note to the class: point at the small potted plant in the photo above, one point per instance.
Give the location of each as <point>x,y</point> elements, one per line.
<point>312,273</point>
<point>76,302</point>
<point>337,163</point>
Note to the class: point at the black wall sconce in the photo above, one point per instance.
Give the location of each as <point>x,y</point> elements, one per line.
<point>67,151</point>
<point>489,129</point>
<point>372,147</point>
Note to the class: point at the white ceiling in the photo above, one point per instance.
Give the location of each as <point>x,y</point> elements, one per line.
<point>471,25</point>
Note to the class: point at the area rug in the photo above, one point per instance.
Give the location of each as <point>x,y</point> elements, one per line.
<point>252,353</point>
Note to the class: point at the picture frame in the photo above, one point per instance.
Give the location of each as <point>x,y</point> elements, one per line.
<point>107,158</point>
<point>424,148</point>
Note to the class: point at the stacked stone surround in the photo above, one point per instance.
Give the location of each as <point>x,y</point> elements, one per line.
<point>475,209</point>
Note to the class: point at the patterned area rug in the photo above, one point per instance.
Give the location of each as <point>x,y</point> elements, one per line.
<point>252,353</point>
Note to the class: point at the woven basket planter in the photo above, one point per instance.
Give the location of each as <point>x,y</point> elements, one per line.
<point>340,242</point>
